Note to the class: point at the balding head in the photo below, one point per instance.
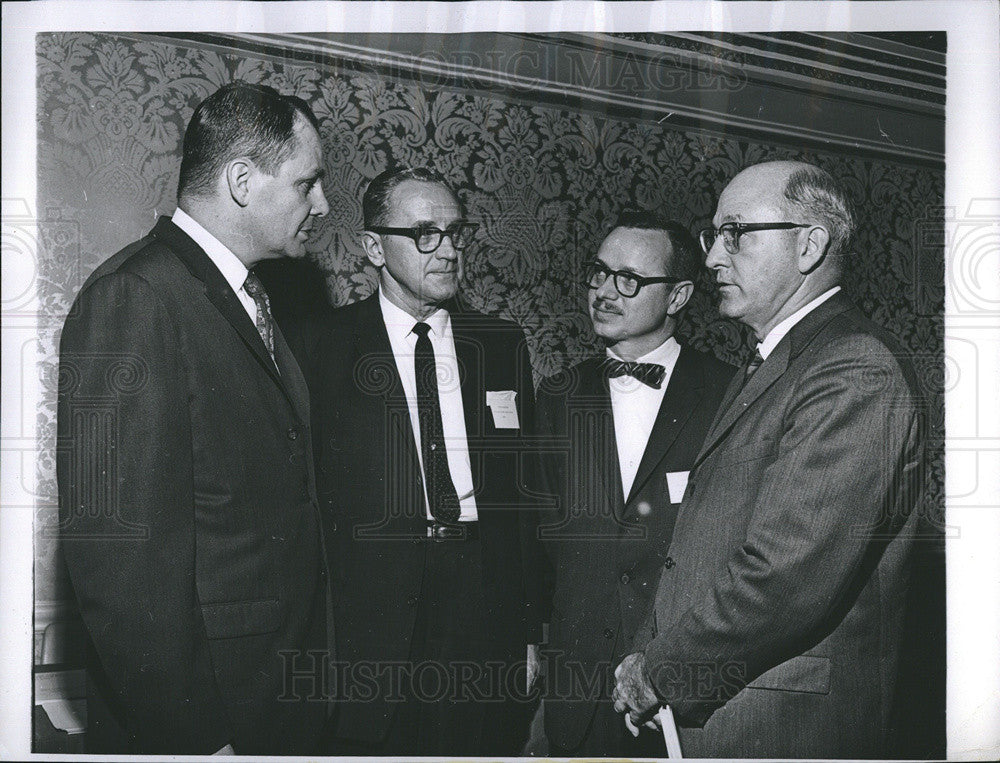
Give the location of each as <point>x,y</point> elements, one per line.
<point>787,225</point>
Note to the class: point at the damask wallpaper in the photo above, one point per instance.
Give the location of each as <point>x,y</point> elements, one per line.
<point>546,184</point>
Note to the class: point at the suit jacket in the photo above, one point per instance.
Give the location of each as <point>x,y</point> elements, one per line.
<point>776,633</point>
<point>369,482</point>
<point>189,519</point>
<point>606,551</point>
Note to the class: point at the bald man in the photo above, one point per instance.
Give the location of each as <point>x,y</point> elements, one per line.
<point>776,631</point>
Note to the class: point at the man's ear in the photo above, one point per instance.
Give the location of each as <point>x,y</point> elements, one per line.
<point>373,248</point>
<point>239,175</point>
<point>814,250</point>
<point>682,293</point>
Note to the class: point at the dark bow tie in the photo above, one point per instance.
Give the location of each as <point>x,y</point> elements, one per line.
<point>650,374</point>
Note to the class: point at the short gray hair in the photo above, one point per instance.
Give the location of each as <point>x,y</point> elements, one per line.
<point>814,195</point>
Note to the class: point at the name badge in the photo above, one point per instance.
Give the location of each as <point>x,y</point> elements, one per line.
<point>504,410</point>
<point>677,483</point>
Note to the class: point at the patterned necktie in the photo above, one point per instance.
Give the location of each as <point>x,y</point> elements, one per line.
<point>650,374</point>
<point>265,323</point>
<point>441,492</point>
<point>752,368</point>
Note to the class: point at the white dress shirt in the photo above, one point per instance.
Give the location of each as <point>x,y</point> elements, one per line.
<point>634,407</point>
<point>232,269</point>
<point>399,325</point>
<point>776,334</point>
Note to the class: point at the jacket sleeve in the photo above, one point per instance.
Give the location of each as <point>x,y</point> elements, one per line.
<point>534,569</point>
<point>126,504</point>
<point>828,500</point>
<point>547,477</point>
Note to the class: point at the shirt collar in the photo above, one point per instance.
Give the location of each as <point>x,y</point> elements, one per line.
<point>776,334</point>
<point>400,323</point>
<point>661,355</point>
<point>232,269</point>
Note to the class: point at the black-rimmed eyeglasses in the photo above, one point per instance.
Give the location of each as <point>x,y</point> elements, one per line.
<point>428,238</point>
<point>731,233</point>
<point>627,284</point>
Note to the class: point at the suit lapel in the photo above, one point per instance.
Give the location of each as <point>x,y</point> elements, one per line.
<point>599,464</point>
<point>219,293</point>
<point>371,343</point>
<point>769,372</point>
<point>298,392</point>
<point>471,367</point>
<point>681,397</point>
<point>739,398</point>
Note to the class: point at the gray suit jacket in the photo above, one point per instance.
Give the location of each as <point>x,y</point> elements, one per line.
<point>776,632</point>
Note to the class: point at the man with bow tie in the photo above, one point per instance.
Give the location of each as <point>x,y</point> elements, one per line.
<point>621,433</point>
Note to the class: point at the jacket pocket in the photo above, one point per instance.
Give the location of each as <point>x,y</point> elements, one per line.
<point>803,673</point>
<point>241,618</point>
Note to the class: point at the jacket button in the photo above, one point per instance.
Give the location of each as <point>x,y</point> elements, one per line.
<point>608,633</point>
<point>333,527</point>
<point>411,600</point>
<point>625,578</point>
<point>669,563</point>
<point>292,434</point>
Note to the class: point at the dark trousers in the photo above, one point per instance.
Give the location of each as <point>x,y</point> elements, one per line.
<point>457,697</point>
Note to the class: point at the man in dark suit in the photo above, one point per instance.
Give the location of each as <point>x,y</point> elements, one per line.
<point>622,432</point>
<point>420,409</point>
<point>189,518</point>
<point>776,630</point>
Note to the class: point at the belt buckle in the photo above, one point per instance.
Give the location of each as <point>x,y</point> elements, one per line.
<point>441,533</point>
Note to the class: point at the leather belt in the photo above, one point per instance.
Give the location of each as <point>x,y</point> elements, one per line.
<point>461,531</point>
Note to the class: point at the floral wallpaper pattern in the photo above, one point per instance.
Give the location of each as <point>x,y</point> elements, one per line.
<point>545,182</point>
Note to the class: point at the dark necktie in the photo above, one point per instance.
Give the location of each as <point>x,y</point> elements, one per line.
<point>265,323</point>
<point>650,374</point>
<point>440,489</point>
<point>755,363</point>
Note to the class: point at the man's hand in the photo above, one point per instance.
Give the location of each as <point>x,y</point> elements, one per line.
<point>632,692</point>
<point>533,667</point>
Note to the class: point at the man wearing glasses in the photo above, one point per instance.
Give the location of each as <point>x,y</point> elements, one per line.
<point>624,429</point>
<point>776,630</point>
<point>420,408</point>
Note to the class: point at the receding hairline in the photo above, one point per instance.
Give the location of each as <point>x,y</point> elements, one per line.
<point>666,253</point>
<point>391,201</point>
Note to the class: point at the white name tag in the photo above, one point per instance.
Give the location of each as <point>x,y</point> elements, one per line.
<point>677,483</point>
<point>504,410</point>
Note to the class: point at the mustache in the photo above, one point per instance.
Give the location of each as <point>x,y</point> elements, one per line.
<point>608,307</point>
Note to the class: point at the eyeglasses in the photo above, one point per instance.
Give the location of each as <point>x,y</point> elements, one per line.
<point>627,284</point>
<point>731,233</point>
<point>428,238</point>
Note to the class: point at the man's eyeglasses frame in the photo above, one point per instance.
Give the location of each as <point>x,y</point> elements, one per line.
<point>623,279</point>
<point>460,234</point>
<point>731,233</point>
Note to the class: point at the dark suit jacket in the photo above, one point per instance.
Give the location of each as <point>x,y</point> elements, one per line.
<point>370,491</point>
<point>777,630</point>
<point>188,513</point>
<point>607,552</point>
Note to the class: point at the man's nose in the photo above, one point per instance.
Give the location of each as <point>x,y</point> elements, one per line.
<point>320,206</point>
<point>607,290</point>
<point>446,249</point>
<point>717,256</point>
